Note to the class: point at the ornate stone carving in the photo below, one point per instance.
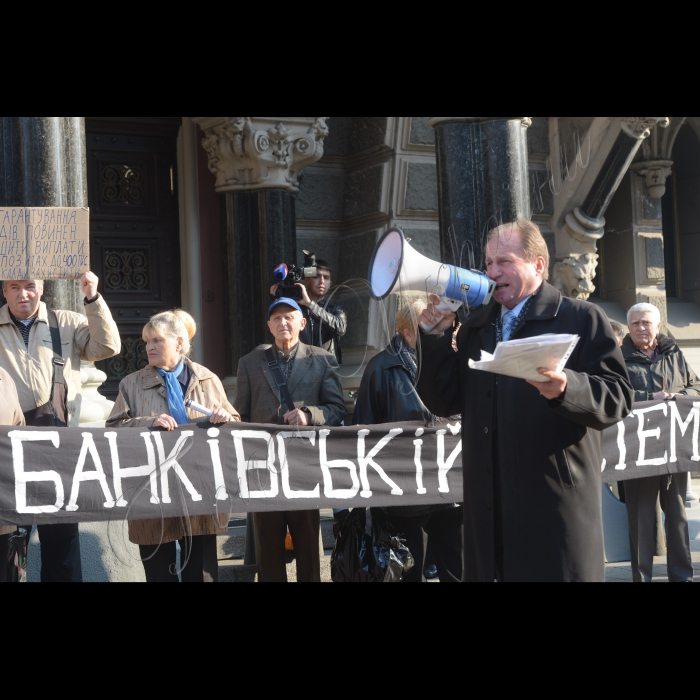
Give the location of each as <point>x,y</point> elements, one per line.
<point>640,127</point>
<point>251,153</point>
<point>655,173</point>
<point>574,274</point>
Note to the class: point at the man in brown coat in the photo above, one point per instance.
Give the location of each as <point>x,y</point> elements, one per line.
<point>29,335</point>
<point>312,379</point>
<point>10,414</point>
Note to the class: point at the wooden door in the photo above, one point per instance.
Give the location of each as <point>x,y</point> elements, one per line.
<point>135,235</point>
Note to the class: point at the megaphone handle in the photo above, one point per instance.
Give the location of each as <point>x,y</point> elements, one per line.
<point>443,306</point>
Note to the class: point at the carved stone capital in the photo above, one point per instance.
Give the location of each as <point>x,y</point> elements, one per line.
<point>436,121</point>
<point>254,153</point>
<point>574,274</point>
<point>655,173</point>
<point>640,127</point>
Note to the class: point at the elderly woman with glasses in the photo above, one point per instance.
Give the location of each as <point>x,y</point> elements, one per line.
<point>156,397</point>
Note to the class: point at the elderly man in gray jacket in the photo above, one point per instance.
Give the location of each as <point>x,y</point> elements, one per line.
<point>659,372</point>
<point>292,384</point>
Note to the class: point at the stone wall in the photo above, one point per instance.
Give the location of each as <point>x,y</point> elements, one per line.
<point>379,172</point>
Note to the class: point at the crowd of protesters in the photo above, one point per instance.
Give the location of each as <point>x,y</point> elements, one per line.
<point>515,524</point>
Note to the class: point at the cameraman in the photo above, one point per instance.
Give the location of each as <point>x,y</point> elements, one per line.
<point>326,323</point>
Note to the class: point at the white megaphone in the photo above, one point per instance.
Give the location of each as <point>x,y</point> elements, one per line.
<point>397,266</point>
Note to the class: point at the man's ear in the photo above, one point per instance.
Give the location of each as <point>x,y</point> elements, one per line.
<point>303,323</point>
<point>540,266</point>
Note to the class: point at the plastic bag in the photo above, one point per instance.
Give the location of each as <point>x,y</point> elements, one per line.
<point>360,558</point>
<point>17,557</point>
<point>353,558</point>
<point>393,559</point>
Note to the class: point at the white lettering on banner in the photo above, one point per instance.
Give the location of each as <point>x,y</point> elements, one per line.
<point>284,464</point>
<point>219,482</point>
<point>326,466</point>
<point>368,461</point>
<point>23,478</point>
<point>677,421</point>
<point>418,444</point>
<point>172,463</point>
<point>253,465</point>
<point>444,467</point>
<point>150,470</point>
<point>645,435</point>
<point>80,475</point>
<point>621,467</point>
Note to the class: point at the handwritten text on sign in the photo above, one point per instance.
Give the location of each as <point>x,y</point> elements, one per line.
<point>44,243</point>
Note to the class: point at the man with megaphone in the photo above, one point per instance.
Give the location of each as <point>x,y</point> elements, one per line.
<point>532,451</point>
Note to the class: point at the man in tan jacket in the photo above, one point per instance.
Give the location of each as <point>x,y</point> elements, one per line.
<point>49,386</point>
<point>10,414</point>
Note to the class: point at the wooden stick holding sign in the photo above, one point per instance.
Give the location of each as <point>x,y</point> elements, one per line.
<point>44,243</point>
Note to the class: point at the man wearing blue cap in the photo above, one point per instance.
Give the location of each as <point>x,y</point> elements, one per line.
<point>289,383</point>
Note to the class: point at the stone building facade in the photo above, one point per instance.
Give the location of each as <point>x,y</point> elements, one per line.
<point>196,211</point>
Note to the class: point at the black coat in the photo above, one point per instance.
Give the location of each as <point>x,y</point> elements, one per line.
<point>326,324</point>
<point>549,451</point>
<point>670,366</point>
<point>387,395</point>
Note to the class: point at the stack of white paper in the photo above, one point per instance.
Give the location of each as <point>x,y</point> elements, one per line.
<point>523,358</point>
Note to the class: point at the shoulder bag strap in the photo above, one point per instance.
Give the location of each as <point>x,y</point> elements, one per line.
<point>276,371</point>
<point>58,362</point>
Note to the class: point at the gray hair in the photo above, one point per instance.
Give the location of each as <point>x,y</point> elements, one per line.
<point>644,309</point>
<point>6,282</point>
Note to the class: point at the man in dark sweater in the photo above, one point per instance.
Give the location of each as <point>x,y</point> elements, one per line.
<point>659,372</point>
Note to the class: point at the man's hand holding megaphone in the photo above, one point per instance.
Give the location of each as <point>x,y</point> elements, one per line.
<point>443,320</point>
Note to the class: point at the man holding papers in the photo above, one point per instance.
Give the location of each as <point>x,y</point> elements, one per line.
<point>532,447</point>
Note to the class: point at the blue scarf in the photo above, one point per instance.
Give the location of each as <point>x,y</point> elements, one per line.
<point>176,401</point>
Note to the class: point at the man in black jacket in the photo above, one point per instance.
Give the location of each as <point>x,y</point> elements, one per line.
<point>326,323</point>
<point>532,453</point>
<point>659,372</point>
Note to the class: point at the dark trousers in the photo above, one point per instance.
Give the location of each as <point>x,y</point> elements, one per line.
<point>60,553</point>
<point>641,496</point>
<point>4,553</point>
<point>199,561</point>
<point>444,531</point>
<point>270,537</point>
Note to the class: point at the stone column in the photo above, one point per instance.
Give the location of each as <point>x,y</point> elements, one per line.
<point>43,163</point>
<point>585,225</point>
<point>483,181</point>
<point>257,162</point>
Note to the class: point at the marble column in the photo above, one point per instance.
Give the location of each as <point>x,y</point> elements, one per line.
<point>44,163</point>
<point>585,225</point>
<point>257,162</point>
<point>483,181</point>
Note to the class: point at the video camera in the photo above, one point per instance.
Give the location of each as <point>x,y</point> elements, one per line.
<point>290,275</point>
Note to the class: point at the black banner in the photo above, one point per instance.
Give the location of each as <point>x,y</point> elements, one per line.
<point>71,475</point>
<point>657,439</point>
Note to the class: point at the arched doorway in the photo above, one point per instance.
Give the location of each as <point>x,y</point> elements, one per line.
<point>681,224</point>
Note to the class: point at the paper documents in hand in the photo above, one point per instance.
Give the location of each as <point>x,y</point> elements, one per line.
<point>522,358</point>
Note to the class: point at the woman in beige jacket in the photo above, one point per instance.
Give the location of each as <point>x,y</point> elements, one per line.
<point>155,398</point>
<point>10,414</point>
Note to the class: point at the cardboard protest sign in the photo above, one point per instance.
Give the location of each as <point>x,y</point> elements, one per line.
<point>44,243</point>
